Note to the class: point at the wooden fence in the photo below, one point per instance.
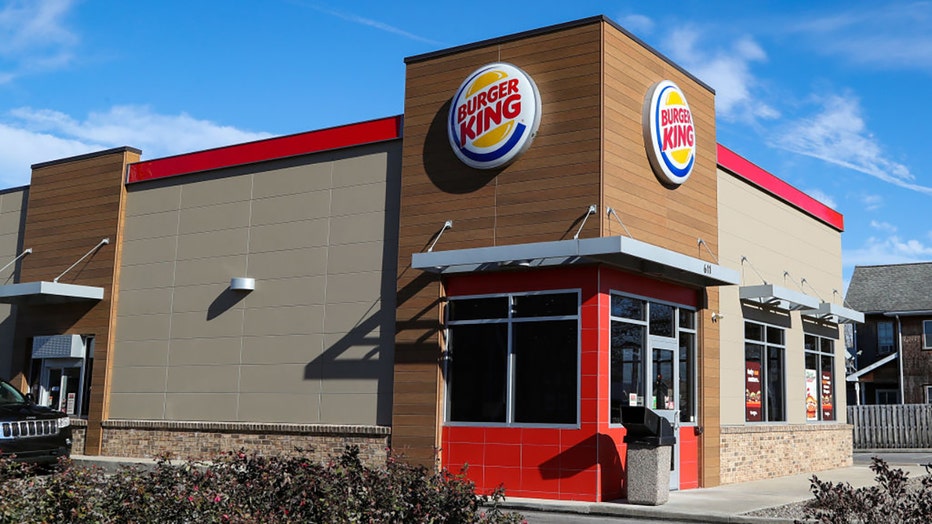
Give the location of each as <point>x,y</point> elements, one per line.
<point>906,426</point>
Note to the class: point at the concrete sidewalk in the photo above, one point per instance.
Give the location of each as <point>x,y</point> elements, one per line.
<point>729,503</point>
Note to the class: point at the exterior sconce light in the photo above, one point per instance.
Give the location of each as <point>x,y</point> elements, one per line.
<point>242,284</point>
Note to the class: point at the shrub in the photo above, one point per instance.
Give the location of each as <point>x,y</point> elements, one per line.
<point>892,500</point>
<point>243,488</point>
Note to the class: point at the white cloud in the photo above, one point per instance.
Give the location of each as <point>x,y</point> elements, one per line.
<point>356,19</point>
<point>20,148</point>
<point>34,37</point>
<point>838,135</point>
<point>872,202</point>
<point>637,24</point>
<point>39,135</point>
<point>823,197</point>
<point>889,250</point>
<point>728,72</point>
<point>888,36</point>
<point>883,226</point>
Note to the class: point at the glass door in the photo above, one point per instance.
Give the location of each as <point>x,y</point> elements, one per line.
<point>665,392</point>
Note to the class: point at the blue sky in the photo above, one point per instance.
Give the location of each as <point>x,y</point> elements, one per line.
<point>829,96</point>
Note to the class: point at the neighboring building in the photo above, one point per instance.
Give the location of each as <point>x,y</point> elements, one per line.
<point>438,283</point>
<point>893,346</point>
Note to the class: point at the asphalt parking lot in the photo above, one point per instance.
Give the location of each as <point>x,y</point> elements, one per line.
<point>901,458</point>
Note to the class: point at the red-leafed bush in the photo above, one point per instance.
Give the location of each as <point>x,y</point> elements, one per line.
<point>239,487</point>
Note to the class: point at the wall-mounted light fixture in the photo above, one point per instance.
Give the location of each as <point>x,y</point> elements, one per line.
<point>242,284</point>
<point>716,316</point>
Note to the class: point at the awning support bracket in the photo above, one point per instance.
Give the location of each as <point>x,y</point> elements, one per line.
<point>95,248</point>
<point>446,225</point>
<point>611,212</point>
<point>19,256</point>
<point>707,248</point>
<point>593,209</point>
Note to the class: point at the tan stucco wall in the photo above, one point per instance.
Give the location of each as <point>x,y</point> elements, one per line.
<point>312,343</point>
<point>12,222</point>
<point>776,238</point>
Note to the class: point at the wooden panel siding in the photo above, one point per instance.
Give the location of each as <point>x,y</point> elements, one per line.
<point>671,218</point>
<point>73,204</point>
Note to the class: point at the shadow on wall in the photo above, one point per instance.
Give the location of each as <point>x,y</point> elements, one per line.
<point>376,329</point>
<point>599,449</point>
<point>443,168</point>
<point>224,301</point>
<point>7,326</point>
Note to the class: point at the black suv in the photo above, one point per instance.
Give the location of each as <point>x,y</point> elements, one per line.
<point>29,432</point>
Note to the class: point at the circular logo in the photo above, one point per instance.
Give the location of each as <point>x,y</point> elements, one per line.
<point>494,116</point>
<point>669,133</point>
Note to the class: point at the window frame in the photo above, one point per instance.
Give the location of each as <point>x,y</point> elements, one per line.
<point>678,330</point>
<point>819,354</point>
<point>885,392</point>
<point>766,348</point>
<point>886,349</point>
<point>927,335</point>
<point>510,320</point>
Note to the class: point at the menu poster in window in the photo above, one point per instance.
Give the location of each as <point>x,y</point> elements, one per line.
<point>828,411</point>
<point>812,395</point>
<point>752,391</point>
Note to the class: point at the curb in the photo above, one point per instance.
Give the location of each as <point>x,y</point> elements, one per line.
<point>649,513</point>
<point>112,464</point>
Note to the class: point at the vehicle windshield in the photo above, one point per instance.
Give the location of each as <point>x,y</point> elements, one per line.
<point>10,395</point>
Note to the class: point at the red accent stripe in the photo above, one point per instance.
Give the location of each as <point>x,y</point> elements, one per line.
<point>270,149</point>
<point>743,168</point>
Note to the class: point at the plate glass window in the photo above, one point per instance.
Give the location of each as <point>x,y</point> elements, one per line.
<point>764,351</point>
<point>820,378</point>
<point>513,359</point>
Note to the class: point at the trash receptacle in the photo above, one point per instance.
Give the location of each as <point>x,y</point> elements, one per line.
<point>650,443</point>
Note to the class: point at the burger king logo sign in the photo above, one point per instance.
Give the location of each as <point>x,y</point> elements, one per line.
<point>669,133</point>
<point>494,116</point>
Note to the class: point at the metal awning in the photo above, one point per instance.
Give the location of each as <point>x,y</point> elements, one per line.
<point>835,313</point>
<point>778,297</point>
<point>39,293</point>
<point>621,252</point>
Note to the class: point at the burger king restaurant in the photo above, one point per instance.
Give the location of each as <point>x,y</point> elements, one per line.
<point>548,237</point>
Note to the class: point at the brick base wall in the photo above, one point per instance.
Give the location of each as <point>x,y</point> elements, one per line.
<point>78,432</point>
<point>767,451</point>
<point>207,440</point>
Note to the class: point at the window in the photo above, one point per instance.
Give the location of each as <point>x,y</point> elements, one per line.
<point>635,365</point>
<point>927,334</point>
<point>820,378</point>
<point>64,384</point>
<point>688,382</point>
<point>887,396</point>
<point>884,337</point>
<point>928,390</point>
<point>764,349</point>
<point>513,359</point>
